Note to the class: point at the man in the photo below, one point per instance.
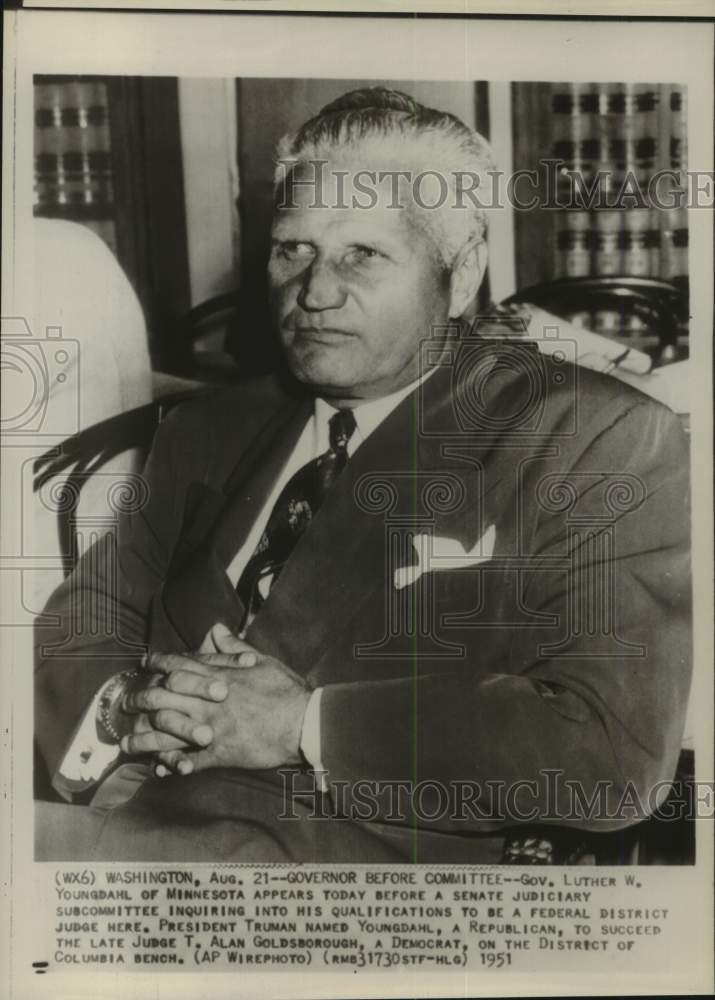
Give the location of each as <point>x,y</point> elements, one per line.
<point>430,586</point>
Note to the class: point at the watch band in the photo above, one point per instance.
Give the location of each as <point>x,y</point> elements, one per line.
<point>111,700</point>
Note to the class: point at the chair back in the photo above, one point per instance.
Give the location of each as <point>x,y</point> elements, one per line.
<point>647,314</point>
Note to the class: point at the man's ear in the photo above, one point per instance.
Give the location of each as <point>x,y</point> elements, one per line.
<point>466,277</point>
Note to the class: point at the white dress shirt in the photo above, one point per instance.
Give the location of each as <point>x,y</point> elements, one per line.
<point>87,758</point>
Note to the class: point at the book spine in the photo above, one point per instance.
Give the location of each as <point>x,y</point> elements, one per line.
<point>678,137</point>
<point>590,154</point>
<point>86,153</point>
<point>616,128</point>
<point>645,99</point>
<point>641,243</point>
<point>49,137</point>
<point>674,244</point>
<point>674,221</point>
<point>573,244</point>
<point>608,242</point>
<point>73,171</point>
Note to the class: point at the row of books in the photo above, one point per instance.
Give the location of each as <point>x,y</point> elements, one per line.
<point>73,162</point>
<point>638,242</point>
<point>619,128</point>
<point>617,139</point>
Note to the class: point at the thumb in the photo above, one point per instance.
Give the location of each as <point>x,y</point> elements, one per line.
<point>226,642</point>
<point>208,645</point>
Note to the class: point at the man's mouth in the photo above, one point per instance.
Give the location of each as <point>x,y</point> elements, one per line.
<point>321,335</point>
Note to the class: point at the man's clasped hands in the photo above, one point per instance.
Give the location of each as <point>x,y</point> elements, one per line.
<point>227,705</point>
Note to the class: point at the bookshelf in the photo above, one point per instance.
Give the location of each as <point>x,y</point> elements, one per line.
<point>108,156</point>
<point>73,168</point>
<point>615,137</point>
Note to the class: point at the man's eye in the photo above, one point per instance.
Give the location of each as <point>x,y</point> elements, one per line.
<point>362,253</point>
<point>295,250</point>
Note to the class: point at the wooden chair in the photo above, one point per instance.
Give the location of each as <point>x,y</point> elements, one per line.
<point>646,313</point>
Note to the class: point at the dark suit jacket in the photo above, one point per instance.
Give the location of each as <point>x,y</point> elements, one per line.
<point>568,651</point>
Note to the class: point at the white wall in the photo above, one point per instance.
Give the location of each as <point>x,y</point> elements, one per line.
<point>502,260</point>
<point>207,113</point>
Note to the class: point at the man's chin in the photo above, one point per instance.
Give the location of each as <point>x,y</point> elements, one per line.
<point>325,385</point>
<point>320,374</point>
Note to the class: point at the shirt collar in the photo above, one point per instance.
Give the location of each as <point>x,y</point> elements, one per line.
<point>368,415</point>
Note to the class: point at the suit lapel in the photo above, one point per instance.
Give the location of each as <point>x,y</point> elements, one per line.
<point>432,467</point>
<point>198,593</point>
<point>250,484</point>
<point>341,560</point>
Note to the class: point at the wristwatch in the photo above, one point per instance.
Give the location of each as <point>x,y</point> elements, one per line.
<point>112,721</point>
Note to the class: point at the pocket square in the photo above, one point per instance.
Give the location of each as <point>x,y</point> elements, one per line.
<point>435,553</point>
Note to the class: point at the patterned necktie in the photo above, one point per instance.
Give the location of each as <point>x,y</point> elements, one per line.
<point>294,509</point>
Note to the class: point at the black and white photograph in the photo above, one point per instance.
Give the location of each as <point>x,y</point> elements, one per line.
<point>357,527</point>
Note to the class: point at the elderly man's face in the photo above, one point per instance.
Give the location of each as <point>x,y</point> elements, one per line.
<point>354,292</point>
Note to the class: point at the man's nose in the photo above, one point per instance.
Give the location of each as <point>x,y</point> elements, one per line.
<point>321,287</point>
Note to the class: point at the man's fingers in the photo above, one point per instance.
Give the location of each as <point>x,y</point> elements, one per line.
<point>166,663</point>
<point>201,663</point>
<point>154,699</point>
<point>220,639</point>
<point>208,645</point>
<point>248,658</point>
<point>226,642</point>
<point>142,724</point>
<point>173,760</point>
<point>171,723</point>
<point>196,685</point>
<point>187,763</point>
<point>152,741</point>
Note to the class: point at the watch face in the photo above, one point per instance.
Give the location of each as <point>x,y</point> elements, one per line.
<point>110,699</point>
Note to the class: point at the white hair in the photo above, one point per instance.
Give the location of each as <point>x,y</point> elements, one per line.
<point>392,131</point>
